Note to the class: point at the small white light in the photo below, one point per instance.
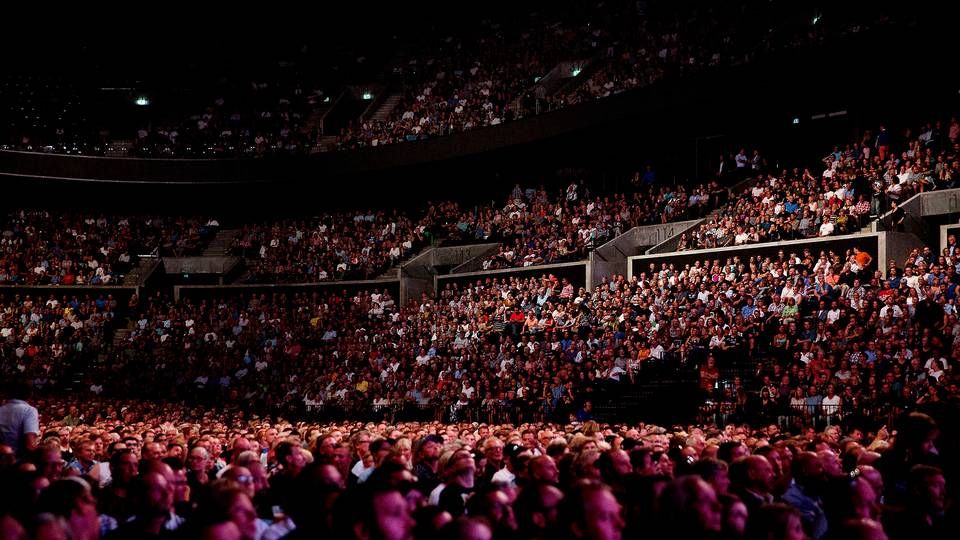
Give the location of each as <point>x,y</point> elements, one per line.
<point>143,101</point>
<point>796,120</point>
<point>367,95</point>
<point>576,71</point>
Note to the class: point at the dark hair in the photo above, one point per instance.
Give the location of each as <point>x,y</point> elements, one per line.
<point>174,463</point>
<point>357,506</point>
<point>914,429</point>
<point>116,456</point>
<point>918,476</point>
<point>770,521</point>
<point>18,389</point>
<point>708,468</point>
<point>572,508</point>
<point>61,497</point>
<point>284,450</point>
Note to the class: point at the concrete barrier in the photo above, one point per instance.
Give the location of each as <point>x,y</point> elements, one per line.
<point>417,275</point>
<point>577,272</point>
<point>199,265</point>
<point>882,246</point>
<point>392,285</point>
<point>611,258</point>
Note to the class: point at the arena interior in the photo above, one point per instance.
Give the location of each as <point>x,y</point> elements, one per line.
<point>592,269</point>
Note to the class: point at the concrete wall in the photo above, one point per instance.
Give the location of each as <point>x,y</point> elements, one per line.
<point>936,203</point>
<point>882,246</point>
<point>670,243</point>
<point>577,272</point>
<point>199,265</point>
<point>416,276</point>
<point>611,257</point>
<point>867,242</point>
<point>896,246</point>
<point>921,205</point>
<point>466,258</point>
<point>193,291</point>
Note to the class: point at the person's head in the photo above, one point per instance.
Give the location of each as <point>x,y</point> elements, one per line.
<point>85,451</point>
<point>832,466</point>
<point>123,466</point>
<point>428,449</point>
<point>493,504</point>
<point>731,451</point>
<point>536,507</point>
<point>776,521</point>
<point>153,450</point>
<point>49,461</point>
<point>807,470</point>
<point>613,464</point>
<point>642,460</point>
<point>688,504</point>
<point>227,500</point>
<point>288,455</point>
<point>590,511</point>
<point>851,499</point>
<point>543,469</point>
<point>242,477</point>
<point>926,487</point>
<point>493,450</point>
<point>373,512</point>
<point>916,435</point>
<point>151,495</point>
<point>71,500</point>
<point>198,459</point>
<point>714,472</point>
<point>461,469</point>
<point>753,473</point>
<point>734,515</point>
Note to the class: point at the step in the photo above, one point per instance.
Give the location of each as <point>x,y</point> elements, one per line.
<point>220,245</point>
<point>385,110</point>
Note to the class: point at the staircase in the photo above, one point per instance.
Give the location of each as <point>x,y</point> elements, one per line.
<point>120,336</point>
<point>220,245</point>
<point>139,273</point>
<point>326,143</point>
<point>315,120</point>
<point>383,112</point>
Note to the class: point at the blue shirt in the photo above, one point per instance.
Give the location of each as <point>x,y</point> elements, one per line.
<point>17,418</point>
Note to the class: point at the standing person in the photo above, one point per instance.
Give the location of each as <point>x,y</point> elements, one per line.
<point>19,421</point>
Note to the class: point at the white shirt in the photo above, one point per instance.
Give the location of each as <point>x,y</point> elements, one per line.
<point>831,405</point>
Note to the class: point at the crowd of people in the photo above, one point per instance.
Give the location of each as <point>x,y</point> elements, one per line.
<point>43,247</point>
<point>335,246</point>
<point>858,183</point>
<point>826,335</point>
<point>117,470</point>
<point>534,227</point>
<point>485,74</point>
